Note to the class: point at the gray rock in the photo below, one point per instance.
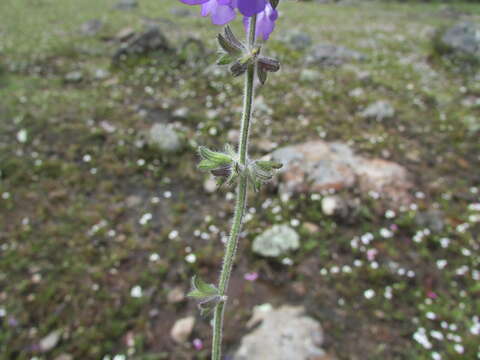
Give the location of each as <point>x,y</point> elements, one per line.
<point>64,356</point>
<point>379,110</point>
<point>91,27</point>
<point>182,329</point>
<point>298,40</point>
<point>50,341</point>
<point>126,5</point>
<point>210,185</point>
<point>74,77</point>
<point>332,55</point>
<point>284,334</point>
<point>164,138</point>
<point>310,75</point>
<point>176,295</point>
<point>276,241</point>
<point>145,43</point>
<point>463,39</point>
<point>317,166</point>
<point>181,12</point>
<point>432,219</point>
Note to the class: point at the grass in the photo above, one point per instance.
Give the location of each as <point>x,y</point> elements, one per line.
<point>72,194</point>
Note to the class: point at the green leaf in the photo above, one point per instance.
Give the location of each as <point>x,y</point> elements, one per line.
<point>268,165</point>
<point>214,156</point>
<point>201,290</point>
<point>207,165</point>
<point>229,46</point>
<point>225,59</point>
<point>262,75</point>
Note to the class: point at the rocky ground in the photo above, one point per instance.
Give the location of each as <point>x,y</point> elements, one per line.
<point>365,247</point>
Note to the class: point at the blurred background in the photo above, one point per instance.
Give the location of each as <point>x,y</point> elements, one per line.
<point>366,246</point>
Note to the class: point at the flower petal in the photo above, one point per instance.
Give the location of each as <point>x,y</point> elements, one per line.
<point>251,7</point>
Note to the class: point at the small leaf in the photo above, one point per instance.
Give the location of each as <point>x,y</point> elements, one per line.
<point>262,74</point>
<point>214,156</point>
<point>207,165</point>
<point>229,47</point>
<point>202,290</point>
<point>274,3</point>
<point>269,165</point>
<point>268,64</point>
<point>225,59</point>
<point>238,68</point>
<point>207,295</point>
<point>233,39</point>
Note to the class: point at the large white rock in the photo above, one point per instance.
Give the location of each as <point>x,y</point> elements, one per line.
<point>284,334</point>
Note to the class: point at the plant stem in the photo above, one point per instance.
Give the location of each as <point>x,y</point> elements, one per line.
<point>240,205</point>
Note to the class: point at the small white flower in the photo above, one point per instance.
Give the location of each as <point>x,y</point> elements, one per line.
<point>136,292</point>
<point>145,219</point>
<point>436,356</point>
<point>369,293</point>
<point>459,348</point>
<point>357,263</point>
<point>22,136</point>
<point>390,214</point>
<point>431,315</point>
<point>154,257</point>
<point>441,264</point>
<point>388,293</point>
<point>385,233</point>
<point>444,242</point>
<point>421,337</point>
<point>167,194</point>
<point>191,258</point>
<point>474,207</point>
<point>436,335</point>
<point>173,234</point>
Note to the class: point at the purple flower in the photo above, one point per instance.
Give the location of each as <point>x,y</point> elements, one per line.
<point>220,11</point>
<point>251,7</point>
<point>251,276</point>
<point>265,21</point>
<point>198,344</point>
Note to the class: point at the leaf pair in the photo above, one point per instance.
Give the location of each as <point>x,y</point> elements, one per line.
<point>207,295</point>
<point>222,165</point>
<point>261,172</point>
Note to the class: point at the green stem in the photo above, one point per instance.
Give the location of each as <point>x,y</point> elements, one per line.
<point>231,247</point>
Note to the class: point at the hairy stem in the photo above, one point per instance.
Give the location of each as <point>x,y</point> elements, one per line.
<point>232,243</point>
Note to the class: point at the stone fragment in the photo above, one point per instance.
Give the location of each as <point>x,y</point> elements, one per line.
<point>276,241</point>
<point>379,110</point>
<point>164,138</point>
<point>284,334</point>
<point>318,166</point>
<point>332,55</point>
<point>182,329</point>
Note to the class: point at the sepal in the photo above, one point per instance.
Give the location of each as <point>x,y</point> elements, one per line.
<point>261,172</point>
<point>264,66</point>
<point>274,3</point>
<point>229,43</point>
<point>207,295</point>
<point>212,160</point>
